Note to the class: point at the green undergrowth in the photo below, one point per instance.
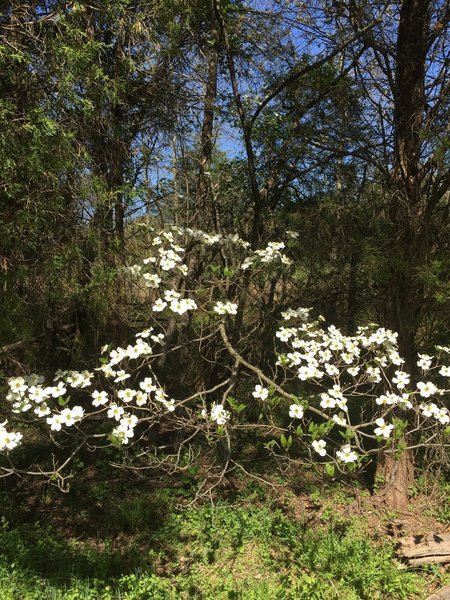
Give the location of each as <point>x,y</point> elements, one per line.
<point>245,549</point>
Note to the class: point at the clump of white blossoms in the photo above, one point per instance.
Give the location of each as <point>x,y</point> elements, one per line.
<point>296,411</point>
<point>271,253</point>
<point>151,280</point>
<point>219,414</point>
<point>383,429</point>
<point>424,362</point>
<point>8,439</point>
<point>388,399</point>
<point>168,259</point>
<point>299,313</point>
<point>66,418</point>
<point>429,409</point>
<point>181,306</point>
<point>210,239</point>
<point>134,270</point>
<point>70,416</point>
<point>225,308</point>
<point>359,367</point>
<point>78,379</point>
<point>346,454</point>
<point>426,389</point>
<point>176,304</point>
<point>401,379</point>
<point>125,430</point>
<point>260,392</point>
<point>319,446</point>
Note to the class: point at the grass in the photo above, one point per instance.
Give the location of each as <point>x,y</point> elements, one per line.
<point>245,548</point>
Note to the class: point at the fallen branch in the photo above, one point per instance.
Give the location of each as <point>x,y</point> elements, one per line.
<point>425,549</point>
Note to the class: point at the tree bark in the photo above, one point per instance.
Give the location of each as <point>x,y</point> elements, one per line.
<point>397,474</point>
<point>203,195</point>
<point>404,293</point>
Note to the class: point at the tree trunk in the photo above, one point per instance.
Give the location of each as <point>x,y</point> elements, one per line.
<point>404,292</point>
<point>397,474</point>
<point>203,200</point>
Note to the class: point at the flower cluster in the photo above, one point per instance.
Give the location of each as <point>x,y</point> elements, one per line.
<point>432,410</point>
<point>346,454</point>
<point>271,253</point>
<point>217,414</point>
<point>352,368</point>
<point>176,304</point>
<point>125,430</point>
<point>66,418</point>
<point>225,308</point>
<point>28,394</point>
<point>299,313</point>
<point>210,239</point>
<point>8,439</point>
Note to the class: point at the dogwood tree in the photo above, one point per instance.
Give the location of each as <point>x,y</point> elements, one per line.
<point>327,397</point>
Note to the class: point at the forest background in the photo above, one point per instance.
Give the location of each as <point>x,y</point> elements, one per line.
<point>329,120</point>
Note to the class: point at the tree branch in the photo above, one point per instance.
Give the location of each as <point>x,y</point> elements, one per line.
<point>298,74</point>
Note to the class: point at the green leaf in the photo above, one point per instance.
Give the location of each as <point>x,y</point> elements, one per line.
<point>313,429</point>
<point>329,469</point>
<point>270,445</point>
<point>283,360</point>
<point>235,405</point>
<point>286,443</point>
<point>274,400</point>
<point>63,402</point>
<point>115,441</point>
<point>347,434</point>
<point>228,272</point>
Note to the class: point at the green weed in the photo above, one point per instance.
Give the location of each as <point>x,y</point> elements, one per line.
<point>240,550</point>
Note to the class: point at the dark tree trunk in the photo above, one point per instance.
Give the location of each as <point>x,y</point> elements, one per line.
<point>203,197</point>
<point>404,293</point>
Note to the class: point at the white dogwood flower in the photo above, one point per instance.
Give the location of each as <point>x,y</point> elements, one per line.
<point>383,429</point>
<point>260,392</point>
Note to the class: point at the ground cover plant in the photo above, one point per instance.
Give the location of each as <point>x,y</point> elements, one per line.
<point>138,544</point>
